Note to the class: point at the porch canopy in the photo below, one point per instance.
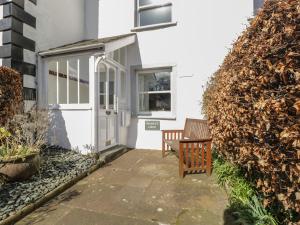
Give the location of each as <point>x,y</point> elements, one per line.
<point>86,81</point>
<point>102,45</point>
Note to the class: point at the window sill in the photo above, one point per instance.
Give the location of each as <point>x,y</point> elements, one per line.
<point>159,116</point>
<point>153,27</point>
<point>70,107</point>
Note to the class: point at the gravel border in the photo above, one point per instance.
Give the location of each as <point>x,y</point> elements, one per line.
<point>33,206</point>
<point>60,169</point>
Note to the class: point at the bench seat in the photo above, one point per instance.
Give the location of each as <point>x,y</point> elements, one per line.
<point>192,146</point>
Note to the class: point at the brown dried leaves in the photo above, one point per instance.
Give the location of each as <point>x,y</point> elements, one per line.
<point>253,103</point>
<point>10,93</point>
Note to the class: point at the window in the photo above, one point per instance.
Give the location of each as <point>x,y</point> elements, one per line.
<point>151,12</point>
<point>102,87</point>
<point>123,85</point>
<point>154,91</point>
<point>119,56</point>
<point>257,5</point>
<point>68,80</point>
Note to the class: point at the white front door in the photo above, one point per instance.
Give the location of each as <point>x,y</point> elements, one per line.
<point>107,116</point>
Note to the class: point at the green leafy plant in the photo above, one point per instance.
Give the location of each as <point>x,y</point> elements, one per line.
<point>244,203</point>
<point>23,135</point>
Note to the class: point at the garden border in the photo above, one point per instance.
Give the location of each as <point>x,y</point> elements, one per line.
<point>57,191</point>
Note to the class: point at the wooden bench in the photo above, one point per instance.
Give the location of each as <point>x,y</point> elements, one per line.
<point>191,145</point>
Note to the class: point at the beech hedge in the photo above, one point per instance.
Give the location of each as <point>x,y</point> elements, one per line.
<point>10,93</point>
<point>253,105</point>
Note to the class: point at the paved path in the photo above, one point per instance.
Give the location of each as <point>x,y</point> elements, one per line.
<point>139,188</point>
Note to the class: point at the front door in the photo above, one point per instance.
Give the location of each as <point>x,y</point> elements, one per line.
<point>107,118</point>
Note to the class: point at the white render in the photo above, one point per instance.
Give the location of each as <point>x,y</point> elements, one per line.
<point>193,45</point>
<point>196,47</point>
<point>59,22</point>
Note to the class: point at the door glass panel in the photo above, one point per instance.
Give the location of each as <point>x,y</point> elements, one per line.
<point>112,74</point>
<point>102,86</point>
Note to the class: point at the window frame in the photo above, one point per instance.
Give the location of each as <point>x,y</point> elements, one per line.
<point>139,9</point>
<point>161,113</point>
<point>68,105</point>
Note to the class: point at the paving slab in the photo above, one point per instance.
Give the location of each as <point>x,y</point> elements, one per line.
<point>139,188</point>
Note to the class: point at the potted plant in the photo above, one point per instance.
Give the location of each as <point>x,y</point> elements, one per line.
<point>20,143</point>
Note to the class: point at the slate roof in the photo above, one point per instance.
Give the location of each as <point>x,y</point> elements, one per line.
<point>85,45</point>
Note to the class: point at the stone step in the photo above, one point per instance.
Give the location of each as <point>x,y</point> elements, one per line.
<point>112,153</point>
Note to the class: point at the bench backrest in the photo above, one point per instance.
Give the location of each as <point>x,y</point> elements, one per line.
<point>196,129</point>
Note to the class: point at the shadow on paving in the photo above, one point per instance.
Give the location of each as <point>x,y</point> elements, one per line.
<point>138,188</point>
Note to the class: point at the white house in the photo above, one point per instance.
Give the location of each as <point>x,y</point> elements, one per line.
<point>118,71</point>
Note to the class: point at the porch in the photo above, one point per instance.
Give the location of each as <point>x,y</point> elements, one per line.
<point>138,188</point>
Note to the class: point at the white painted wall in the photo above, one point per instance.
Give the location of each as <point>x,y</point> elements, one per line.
<point>91,19</point>
<point>59,22</point>
<point>115,17</point>
<point>197,46</point>
<point>71,129</point>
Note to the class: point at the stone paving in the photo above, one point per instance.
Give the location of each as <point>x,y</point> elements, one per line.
<point>139,188</point>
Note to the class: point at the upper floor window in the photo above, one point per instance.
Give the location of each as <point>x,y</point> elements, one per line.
<point>257,5</point>
<point>151,12</point>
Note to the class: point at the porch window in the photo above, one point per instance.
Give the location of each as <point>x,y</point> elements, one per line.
<point>119,56</point>
<point>151,12</point>
<point>154,91</point>
<point>68,80</point>
<point>123,85</point>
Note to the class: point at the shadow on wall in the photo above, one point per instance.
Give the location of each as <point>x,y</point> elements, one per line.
<point>57,129</point>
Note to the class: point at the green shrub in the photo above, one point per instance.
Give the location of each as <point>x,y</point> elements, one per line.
<point>23,135</point>
<point>244,203</point>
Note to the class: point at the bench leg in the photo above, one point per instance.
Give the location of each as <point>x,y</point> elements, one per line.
<point>181,170</point>
<point>208,159</point>
<point>163,145</point>
<point>181,161</point>
<point>163,149</point>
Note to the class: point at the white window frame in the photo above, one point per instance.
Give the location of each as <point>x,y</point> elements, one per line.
<point>67,105</point>
<point>156,114</point>
<point>152,6</point>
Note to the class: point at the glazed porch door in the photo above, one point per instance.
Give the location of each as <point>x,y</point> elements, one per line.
<point>107,120</point>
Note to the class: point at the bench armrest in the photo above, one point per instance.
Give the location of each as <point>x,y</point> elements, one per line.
<point>172,135</point>
<point>195,140</point>
<point>167,131</point>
